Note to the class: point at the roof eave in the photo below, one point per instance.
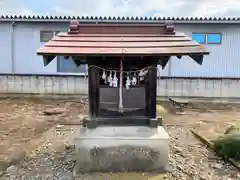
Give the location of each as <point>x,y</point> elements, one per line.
<point>118,54</point>
<point>122,21</point>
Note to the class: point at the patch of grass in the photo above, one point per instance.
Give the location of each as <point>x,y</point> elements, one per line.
<point>4,165</point>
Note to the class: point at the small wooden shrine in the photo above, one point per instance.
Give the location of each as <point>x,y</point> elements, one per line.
<point>122,66</point>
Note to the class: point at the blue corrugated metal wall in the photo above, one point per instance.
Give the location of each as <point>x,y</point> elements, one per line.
<point>5,48</point>
<point>66,65</point>
<point>224,58</point>
<point>222,62</point>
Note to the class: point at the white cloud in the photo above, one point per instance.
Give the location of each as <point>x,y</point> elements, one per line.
<point>131,8</point>
<point>218,8</point>
<point>7,8</point>
<point>146,7</point>
<point>118,7</point>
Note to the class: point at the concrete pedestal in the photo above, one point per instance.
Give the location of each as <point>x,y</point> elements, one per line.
<point>121,149</point>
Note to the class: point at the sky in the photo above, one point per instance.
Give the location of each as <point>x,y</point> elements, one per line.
<point>183,8</point>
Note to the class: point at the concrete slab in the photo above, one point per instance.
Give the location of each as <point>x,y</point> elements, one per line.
<point>121,149</point>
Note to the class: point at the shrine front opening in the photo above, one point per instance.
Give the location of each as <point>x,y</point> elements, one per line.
<point>122,132</point>
<point>133,83</point>
<point>124,86</point>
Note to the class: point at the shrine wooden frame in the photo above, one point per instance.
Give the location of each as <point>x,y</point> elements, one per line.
<point>94,99</point>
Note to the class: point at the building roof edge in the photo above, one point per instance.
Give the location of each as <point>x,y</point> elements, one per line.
<point>103,19</point>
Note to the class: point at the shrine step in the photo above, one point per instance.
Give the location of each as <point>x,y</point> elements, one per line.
<point>122,149</point>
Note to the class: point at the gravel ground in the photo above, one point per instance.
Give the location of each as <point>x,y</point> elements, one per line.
<point>53,160</point>
<point>189,160</point>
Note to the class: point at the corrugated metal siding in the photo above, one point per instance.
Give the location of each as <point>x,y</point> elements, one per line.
<point>165,71</point>
<point>27,41</point>
<point>5,50</point>
<point>224,60</point>
<point>66,65</point>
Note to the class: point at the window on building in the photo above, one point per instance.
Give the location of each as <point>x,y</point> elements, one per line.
<point>199,37</point>
<point>56,33</point>
<point>69,66</point>
<point>45,36</point>
<point>207,38</point>
<point>214,38</point>
<point>63,65</point>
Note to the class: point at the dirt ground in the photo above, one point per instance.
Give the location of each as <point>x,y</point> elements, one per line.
<point>23,125</point>
<point>22,121</point>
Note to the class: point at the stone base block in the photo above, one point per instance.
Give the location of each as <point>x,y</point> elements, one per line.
<point>121,149</point>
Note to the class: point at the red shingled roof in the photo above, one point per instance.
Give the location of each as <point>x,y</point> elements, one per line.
<point>121,39</point>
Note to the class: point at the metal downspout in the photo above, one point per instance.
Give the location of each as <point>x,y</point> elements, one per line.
<point>12,47</point>
<point>168,79</point>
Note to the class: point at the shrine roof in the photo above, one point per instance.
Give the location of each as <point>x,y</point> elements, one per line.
<point>121,39</point>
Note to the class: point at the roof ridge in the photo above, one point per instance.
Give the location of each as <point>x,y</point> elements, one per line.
<point>130,18</point>
<point>75,27</point>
